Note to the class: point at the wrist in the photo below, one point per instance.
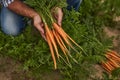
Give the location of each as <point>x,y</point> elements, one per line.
<point>33,15</point>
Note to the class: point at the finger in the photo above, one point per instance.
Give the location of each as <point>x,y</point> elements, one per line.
<point>43,35</point>
<point>59,21</point>
<point>41,30</point>
<point>60,16</point>
<point>42,25</point>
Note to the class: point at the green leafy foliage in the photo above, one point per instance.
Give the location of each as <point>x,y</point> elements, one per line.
<point>84,26</point>
<point>116,73</point>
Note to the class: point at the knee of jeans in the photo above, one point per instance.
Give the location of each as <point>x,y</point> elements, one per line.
<point>11,30</point>
<point>73,3</point>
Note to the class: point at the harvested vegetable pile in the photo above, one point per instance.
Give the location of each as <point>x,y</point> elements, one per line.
<point>113,61</point>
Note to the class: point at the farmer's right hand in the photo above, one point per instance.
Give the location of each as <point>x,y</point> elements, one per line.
<point>37,21</point>
<point>58,14</point>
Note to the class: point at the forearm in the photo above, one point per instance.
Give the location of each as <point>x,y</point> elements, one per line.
<point>20,8</point>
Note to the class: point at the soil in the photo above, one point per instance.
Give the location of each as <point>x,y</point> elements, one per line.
<point>114,32</point>
<point>10,70</point>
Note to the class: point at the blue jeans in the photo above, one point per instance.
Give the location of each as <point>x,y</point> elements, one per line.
<point>73,4</point>
<point>13,24</point>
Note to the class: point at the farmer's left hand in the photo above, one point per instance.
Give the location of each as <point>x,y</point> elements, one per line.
<point>58,14</point>
<point>39,25</point>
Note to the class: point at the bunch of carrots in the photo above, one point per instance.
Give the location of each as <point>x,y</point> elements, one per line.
<point>57,37</point>
<point>113,61</point>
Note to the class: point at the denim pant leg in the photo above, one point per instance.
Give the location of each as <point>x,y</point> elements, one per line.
<point>73,4</point>
<point>11,23</point>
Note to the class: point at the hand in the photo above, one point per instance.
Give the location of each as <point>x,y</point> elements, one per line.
<point>58,14</point>
<point>39,25</point>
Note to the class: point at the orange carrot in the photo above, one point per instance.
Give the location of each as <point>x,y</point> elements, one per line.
<point>52,39</point>
<point>105,67</point>
<point>54,44</point>
<point>61,46</point>
<point>51,49</point>
<point>61,41</point>
<point>114,63</point>
<point>115,53</point>
<point>61,32</point>
<point>57,39</point>
<point>59,29</point>
<point>111,67</point>
<point>113,56</point>
<point>66,48</point>
<point>66,37</point>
